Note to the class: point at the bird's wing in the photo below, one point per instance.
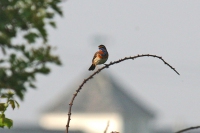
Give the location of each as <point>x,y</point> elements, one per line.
<point>95,55</point>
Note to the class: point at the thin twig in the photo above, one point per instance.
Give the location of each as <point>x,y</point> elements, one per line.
<point>107,66</point>
<point>107,127</point>
<point>187,129</point>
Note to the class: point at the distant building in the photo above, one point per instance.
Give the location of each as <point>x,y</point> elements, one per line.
<point>102,99</point>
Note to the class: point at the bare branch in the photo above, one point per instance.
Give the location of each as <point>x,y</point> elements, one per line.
<point>107,127</point>
<point>187,129</point>
<point>107,66</point>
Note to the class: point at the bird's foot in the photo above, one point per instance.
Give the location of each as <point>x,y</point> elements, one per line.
<point>106,65</point>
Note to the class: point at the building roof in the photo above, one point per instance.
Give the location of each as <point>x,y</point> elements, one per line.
<point>103,93</point>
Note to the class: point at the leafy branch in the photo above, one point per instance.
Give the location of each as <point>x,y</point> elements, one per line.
<point>3,107</point>
<point>22,60</point>
<point>107,66</point>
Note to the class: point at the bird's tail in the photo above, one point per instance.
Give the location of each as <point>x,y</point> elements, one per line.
<point>92,67</point>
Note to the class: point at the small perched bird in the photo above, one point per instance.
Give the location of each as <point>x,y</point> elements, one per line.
<point>100,57</point>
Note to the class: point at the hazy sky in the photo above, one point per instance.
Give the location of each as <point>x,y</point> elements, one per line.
<point>168,28</point>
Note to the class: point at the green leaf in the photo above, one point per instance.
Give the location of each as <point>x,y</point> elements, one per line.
<point>43,70</point>
<point>53,24</point>
<point>8,122</point>
<point>17,104</point>
<point>57,9</point>
<point>50,15</point>
<point>12,103</point>
<point>32,85</point>
<point>2,107</point>
<point>30,37</point>
<point>5,122</point>
<point>43,32</point>
<point>2,117</point>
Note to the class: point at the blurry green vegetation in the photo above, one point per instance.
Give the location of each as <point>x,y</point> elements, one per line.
<point>20,62</point>
<point>3,106</point>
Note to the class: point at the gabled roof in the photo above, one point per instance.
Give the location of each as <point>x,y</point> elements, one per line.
<point>101,94</point>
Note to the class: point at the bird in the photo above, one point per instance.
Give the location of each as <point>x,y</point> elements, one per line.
<point>100,57</point>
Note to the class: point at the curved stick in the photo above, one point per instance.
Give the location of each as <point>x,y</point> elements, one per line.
<point>107,66</point>
<point>187,129</point>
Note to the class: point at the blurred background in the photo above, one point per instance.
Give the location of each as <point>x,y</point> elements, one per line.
<point>143,87</point>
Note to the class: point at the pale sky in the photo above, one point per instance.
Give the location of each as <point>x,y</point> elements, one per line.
<point>167,28</point>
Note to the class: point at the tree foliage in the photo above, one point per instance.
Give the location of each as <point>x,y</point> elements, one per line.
<point>6,122</point>
<point>22,60</point>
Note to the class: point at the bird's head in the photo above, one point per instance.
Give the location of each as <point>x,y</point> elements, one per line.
<point>102,46</point>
